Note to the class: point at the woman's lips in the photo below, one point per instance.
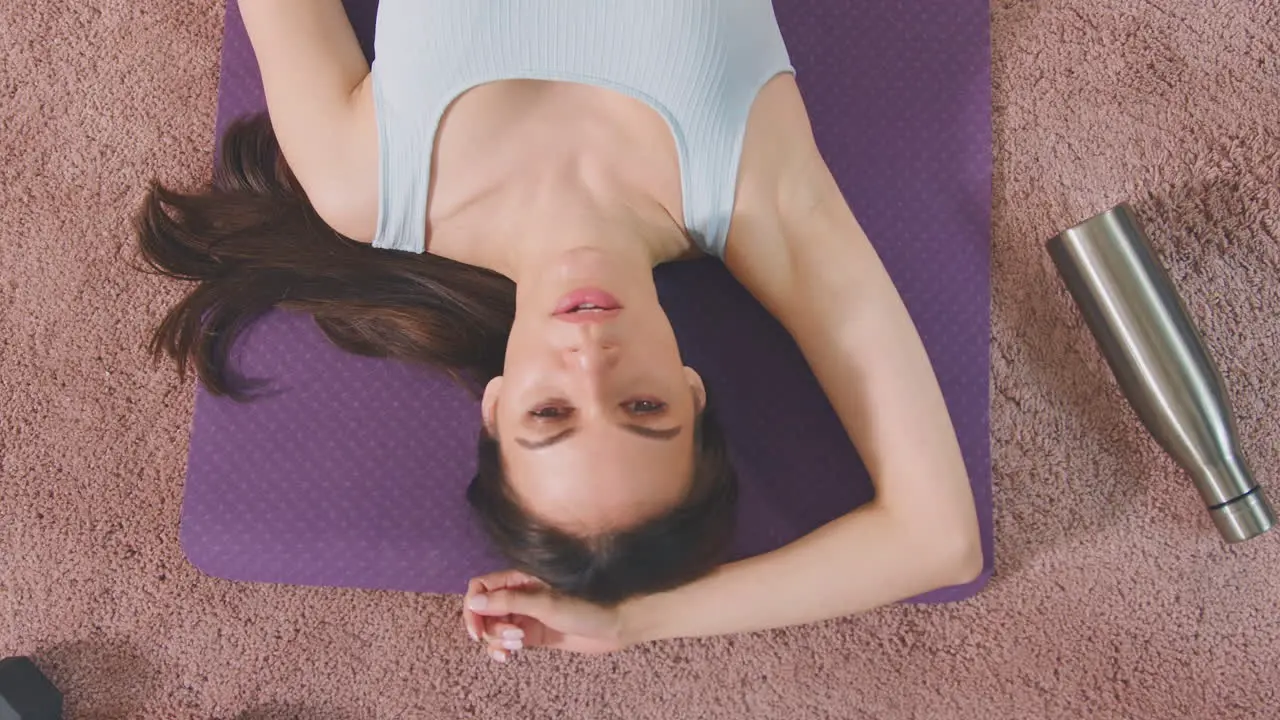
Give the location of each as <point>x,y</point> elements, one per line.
<point>588,302</point>
<point>588,316</point>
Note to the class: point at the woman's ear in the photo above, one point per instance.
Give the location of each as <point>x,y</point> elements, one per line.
<point>489,406</point>
<point>699,390</point>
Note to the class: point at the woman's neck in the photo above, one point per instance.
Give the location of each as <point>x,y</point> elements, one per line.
<point>518,224</point>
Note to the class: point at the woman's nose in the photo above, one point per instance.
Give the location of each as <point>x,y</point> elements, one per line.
<point>591,357</point>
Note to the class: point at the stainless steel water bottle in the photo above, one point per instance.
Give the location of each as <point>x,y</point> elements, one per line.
<point>1160,361</point>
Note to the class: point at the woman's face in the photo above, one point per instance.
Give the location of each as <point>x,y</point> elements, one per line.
<point>595,410</point>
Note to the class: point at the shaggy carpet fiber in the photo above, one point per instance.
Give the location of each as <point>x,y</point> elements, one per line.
<point>1113,596</point>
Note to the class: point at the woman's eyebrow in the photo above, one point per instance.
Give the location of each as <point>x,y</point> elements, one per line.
<point>652,433</point>
<point>540,444</point>
<point>642,431</point>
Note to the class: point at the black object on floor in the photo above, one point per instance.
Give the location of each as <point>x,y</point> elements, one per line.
<point>25,693</point>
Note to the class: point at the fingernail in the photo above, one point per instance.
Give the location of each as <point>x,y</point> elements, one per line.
<point>512,644</point>
<point>513,634</point>
<point>478,602</point>
<point>498,655</point>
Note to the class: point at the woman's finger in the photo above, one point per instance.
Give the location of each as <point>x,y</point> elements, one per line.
<point>501,580</point>
<point>485,584</point>
<point>473,623</point>
<point>503,634</point>
<point>535,633</point>
<point>534,603</point>
<point>499,641</point>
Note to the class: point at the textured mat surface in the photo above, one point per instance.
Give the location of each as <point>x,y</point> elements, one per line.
<point>353,472</point>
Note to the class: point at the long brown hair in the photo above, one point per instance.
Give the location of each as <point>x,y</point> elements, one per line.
<point>251,241</point>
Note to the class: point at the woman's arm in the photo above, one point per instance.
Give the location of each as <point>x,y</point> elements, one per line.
<point>813,267</point>
<point>321,103</point>
<point>796,245</point>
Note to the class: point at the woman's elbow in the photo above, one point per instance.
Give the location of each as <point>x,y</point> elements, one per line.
<point>950,552</point>
<point>959,559</point>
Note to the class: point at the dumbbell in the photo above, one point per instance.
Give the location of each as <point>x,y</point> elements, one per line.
<point>25,693</point>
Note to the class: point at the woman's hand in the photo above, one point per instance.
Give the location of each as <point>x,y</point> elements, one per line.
<point>511,610</point>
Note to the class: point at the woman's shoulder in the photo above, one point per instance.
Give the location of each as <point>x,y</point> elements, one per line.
<point>344,191</point>
<point>780,162</point>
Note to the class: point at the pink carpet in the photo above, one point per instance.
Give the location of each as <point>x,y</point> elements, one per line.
<point>1113,596</point>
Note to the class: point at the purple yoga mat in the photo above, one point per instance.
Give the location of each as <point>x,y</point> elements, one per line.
<point>352,472</point>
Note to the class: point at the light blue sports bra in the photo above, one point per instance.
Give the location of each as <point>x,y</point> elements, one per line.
<point>698,63</point>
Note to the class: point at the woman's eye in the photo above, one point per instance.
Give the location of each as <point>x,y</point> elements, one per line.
<point>551,412</point>
<point>646,407</point>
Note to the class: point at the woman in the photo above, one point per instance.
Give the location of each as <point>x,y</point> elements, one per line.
<point>569,147</point>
